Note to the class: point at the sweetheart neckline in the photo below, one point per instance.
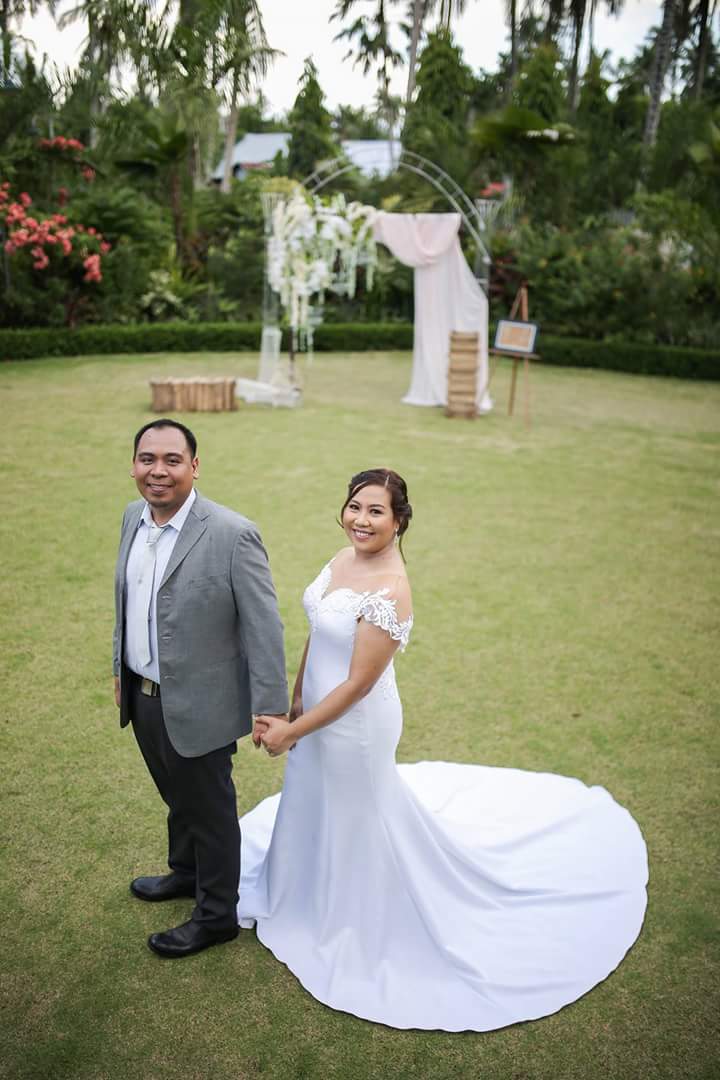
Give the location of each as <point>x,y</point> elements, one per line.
<point>408,622</point>
<point>346,588</point>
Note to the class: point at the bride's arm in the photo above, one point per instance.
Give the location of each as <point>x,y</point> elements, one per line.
<point>372,652</point>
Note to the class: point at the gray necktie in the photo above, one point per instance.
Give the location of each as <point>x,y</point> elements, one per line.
<point>145,590</point>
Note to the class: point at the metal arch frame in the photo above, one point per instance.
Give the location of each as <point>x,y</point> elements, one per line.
<point>440,180</point>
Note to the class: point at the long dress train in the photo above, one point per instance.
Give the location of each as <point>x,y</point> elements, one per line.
<point>435,895</point>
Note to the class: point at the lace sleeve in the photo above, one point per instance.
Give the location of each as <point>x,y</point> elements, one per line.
<point>381,611</point>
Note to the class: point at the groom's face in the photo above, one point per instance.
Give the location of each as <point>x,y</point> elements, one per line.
<point>164,471</point>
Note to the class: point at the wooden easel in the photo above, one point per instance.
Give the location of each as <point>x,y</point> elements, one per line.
<point>519,310</point>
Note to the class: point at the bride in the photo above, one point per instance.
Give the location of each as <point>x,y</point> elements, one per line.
<point>434,895</point>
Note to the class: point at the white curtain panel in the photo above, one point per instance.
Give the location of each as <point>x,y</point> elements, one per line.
<point>447,298</point>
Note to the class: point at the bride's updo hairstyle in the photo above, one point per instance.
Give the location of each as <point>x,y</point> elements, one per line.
<point>397,490</point>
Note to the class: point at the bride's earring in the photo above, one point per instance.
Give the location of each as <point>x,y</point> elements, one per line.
<point>396,538</point>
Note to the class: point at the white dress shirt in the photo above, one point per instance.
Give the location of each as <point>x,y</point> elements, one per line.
<point>164,549</point>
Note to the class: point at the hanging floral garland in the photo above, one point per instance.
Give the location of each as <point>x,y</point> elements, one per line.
<point>314,247</point>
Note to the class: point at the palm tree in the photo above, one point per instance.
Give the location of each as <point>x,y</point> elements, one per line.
<point>662,54</point>
<point>511,12</point>
<point>246,58</point>
<point>614,7</point>
<point>10,12</point>
<point>704,19</point>
<point>372,46</point>
<point>448,9</point>
<point>419,9</point>
<point>160,154</point>
<point>118,30</point>
<point>554,19</point>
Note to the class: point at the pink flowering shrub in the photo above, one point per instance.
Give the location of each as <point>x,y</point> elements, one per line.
<point>52,244</point>
<point>62,144</point>
<point>69,151</point>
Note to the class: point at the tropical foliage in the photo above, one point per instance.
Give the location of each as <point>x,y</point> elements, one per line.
<point>600,184</point>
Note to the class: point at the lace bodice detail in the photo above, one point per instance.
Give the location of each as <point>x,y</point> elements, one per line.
<point>375,607</point>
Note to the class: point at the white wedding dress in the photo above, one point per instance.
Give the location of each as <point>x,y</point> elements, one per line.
<point>437,896</point>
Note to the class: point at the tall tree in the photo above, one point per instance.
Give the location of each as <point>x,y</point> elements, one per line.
<point>418,11</point>
<point>662,55</point>
<point>448,9</point>
<point>355,123</point>
<point>311,138</point>
<point>112,25</point>
<point>246,55</point>
<point>437,121</point>
<point>614,7</point>
<point>511,11</point>
<point>577,12</point>
<point>159,154</point>
<point>704,22</point>
<point>10,12</point>
<point>540,88</point>
<point>370,44</point>
<point>554,17</point>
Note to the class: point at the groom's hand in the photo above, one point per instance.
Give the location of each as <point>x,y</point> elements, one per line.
<point>277,738</point>
<point>261,723</point>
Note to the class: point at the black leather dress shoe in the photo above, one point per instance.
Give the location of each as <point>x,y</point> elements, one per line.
<point>191,937</point>
<point>166,887</point>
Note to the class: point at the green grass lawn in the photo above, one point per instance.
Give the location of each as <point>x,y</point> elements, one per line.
<point>566,604</point>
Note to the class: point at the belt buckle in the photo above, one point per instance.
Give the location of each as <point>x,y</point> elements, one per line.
<point>149,688</point>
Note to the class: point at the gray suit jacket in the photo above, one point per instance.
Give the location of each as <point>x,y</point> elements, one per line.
<point>220,638</point>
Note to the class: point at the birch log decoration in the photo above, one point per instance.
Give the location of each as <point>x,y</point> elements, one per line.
<point>199,394</point>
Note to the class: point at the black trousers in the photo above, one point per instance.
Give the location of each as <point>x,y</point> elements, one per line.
<point>203,830</point>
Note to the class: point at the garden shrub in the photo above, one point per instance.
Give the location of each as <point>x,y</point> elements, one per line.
<point>632,357</point>
<point>653,280</point>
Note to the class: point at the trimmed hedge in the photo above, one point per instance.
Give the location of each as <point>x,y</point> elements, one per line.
<point>191,337</point>
<point>140,338</point>
<point>678,361</point>
<point>361,337</point>
<point>685,363</point>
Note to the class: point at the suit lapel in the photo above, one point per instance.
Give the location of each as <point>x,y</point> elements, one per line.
<point>190,533</point>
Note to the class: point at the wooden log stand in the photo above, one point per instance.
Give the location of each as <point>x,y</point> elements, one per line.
<point>462,375</point>
<point>193,395</point>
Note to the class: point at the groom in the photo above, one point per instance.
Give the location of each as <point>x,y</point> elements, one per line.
<point>197,650</point>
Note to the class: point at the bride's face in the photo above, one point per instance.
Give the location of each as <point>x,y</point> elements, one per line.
<point>368,520</point>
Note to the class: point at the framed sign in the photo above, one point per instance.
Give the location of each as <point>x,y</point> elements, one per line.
<point>517,337</point>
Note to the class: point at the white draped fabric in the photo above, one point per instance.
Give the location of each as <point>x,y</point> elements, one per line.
<point>447,298</point>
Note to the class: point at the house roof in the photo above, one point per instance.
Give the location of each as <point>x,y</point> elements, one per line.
<point>374,157</point>
<point>255,150</point>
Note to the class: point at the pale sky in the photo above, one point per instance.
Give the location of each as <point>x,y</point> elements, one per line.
<point>302,27</point>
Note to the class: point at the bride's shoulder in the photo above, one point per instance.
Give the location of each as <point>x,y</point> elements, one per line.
<point>341,556</point>
<point>397,590</point>
<point>390,608</point>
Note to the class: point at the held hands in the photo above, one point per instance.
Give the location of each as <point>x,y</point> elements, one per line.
<point>274,733</point>
<point>271,732</point>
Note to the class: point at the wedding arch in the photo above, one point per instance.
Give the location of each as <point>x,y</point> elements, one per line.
<point>313,246</point>
<point>427,170</point>
<point>448,294</point>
